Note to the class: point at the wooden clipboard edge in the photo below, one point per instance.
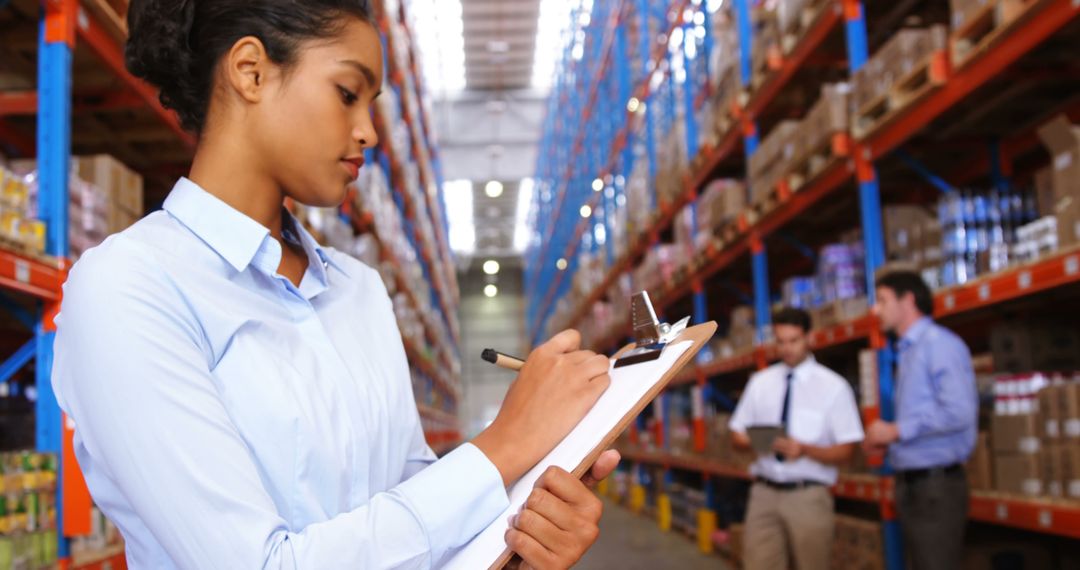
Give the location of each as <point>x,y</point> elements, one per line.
<point>700,336</point>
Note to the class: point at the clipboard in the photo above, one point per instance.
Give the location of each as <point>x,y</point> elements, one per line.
<point>578,451</point>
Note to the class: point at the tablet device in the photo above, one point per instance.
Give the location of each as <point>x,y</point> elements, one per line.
<point>762,437</point>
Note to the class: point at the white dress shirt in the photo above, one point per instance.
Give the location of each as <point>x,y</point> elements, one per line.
<point>225,418</point>
<point>822,412</point>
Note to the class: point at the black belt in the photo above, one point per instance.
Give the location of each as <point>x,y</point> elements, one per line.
<point>912,475</point>
<point>790,485</point>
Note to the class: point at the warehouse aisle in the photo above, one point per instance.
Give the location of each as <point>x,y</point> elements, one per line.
<point>632,542</point>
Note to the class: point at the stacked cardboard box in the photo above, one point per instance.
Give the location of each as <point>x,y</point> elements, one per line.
<point>741,333</point>
<point>817,132</point>
<point>1017,457</point>
<point>123,187</point>
<point>1023,346</point>
<point>1059,432</point>
<point>980,471</point>
<point>772,158</point>
<point>857,544</point>
<point>897,59</point>
<point>767,49</point>
<point>1059,191</point>
<point>672,164</point>
<point>720,204</point>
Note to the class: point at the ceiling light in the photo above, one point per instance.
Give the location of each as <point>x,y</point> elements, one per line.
<point>522,221</point>
<point>597,185</point>
<point>560,264</point>
<point>493,189</point>
<point>498,46</point>
<point>458,204</point>
<point>491,291</point>
<point>586,211</point>
<point>633,105</point>
<point>491,267</point>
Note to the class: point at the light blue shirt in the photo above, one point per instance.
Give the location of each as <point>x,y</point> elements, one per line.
<point>227,419</point>
<point>937,401</point>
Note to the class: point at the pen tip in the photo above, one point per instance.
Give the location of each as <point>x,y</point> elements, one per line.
<point>489,355</point>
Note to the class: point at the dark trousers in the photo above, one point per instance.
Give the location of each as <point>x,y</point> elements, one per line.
<point>933,513</point>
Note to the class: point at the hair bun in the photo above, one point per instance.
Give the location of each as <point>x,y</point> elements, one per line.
<point>158,50</point>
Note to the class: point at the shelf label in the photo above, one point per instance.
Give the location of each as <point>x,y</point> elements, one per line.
<point>984,292</point>
<point>950,302</point>
<point>1072,265</point>
<point>1002,511</point>
<point>22,271</point>
<point>1046,518</point>
<point>1024,280</point>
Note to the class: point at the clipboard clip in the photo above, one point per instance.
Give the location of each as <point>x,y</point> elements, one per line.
<point>651,336</point>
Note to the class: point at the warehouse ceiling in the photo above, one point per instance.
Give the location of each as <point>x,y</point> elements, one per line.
<point>487,66</point>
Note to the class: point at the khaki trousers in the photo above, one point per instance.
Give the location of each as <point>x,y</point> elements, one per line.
<point>789,526</point>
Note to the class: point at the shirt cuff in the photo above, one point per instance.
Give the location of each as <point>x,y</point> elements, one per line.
<point>456,497</point>
<point>908,429</point>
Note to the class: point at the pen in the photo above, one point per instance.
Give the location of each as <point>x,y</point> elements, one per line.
<point>503,360</point>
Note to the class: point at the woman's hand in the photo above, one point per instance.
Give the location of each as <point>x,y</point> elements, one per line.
<point>560,520</point>
<point>554,390</point>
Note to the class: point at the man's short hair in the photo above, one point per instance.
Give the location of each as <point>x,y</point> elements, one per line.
<point>792,316</point>
<point>903,282</point>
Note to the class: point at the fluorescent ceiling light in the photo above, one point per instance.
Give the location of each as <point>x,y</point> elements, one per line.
<point>438,29</point>
<point>458,199</point>
<point>491,267</point>
<point>491,291</point>
<point>493,189</point>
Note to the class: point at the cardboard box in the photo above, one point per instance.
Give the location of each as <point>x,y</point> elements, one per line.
<point>1050,411</point>
<point>124,186</point>
<point>1062,139</point>
<point>1015,434</point>
<point>1070,411</point>
<point>1026,346</point>
<point>1019,473</point>
<point>1050,459</point>
<point>829,115</point>
<point>980,472</point>
<point>1070,471</point>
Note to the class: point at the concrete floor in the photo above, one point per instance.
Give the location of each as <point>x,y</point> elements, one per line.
<point>631,542</point>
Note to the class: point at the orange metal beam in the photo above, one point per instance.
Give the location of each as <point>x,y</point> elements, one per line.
<point>18,103</point>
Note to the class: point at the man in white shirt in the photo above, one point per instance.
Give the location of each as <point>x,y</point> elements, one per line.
<point>790,515</point>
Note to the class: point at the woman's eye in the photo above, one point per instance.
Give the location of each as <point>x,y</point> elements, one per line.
<point>348,96</point>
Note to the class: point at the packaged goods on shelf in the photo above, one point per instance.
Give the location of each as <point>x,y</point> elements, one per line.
<point>719,204</point>
<point>18,211</point>
<point>907,234</point>
<point>741,333</point>
<point>1035,240</point>
<point>767,50</point>
<point>123,186</point>
<point>980,471</point>
<point>27,494</point>
<point>1025,345</point>
<point>800,292</point>
<point>772,157</point>
<point>672,164</point>
<point>724,80</point>
<point>1062,139</point>
<point>979,231</point>
<point>873,85</point>
<point>103,535</point>
<point>820,134</point>
<point>658,267</point>
<point>639,196</point>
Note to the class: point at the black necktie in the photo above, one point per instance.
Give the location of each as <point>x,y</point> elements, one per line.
<point>784,410</point>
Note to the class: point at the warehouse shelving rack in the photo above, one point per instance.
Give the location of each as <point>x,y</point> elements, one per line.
<point>98,25</point>
<point>562,230</point>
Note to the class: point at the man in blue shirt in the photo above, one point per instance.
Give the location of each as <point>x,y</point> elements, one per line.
<point>936,424</point>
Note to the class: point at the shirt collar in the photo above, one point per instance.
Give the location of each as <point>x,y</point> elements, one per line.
<point>232,234</point>
<point>803,367</point>
<point>917,330</point>
<point>312,247</point>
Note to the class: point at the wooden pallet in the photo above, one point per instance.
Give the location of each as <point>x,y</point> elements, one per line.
<point>983,28</point>
<point>924,78</point>
<point>816,160</point>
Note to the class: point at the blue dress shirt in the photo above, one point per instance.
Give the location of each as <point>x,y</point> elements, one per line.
<point>225,418</point>
<point>937,401</point>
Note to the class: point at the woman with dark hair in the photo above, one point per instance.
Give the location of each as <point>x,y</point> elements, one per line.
<point>240,394</point>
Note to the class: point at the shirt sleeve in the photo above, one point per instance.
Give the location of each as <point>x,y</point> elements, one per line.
<point>744,410</point>
<point>132,373</point>
<point>953,405</point>
<point>844,420</point>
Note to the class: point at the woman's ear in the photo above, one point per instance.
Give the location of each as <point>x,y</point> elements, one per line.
<point>247,67</point>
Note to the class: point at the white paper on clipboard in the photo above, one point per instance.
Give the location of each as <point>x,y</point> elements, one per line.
<point>628,386</point>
